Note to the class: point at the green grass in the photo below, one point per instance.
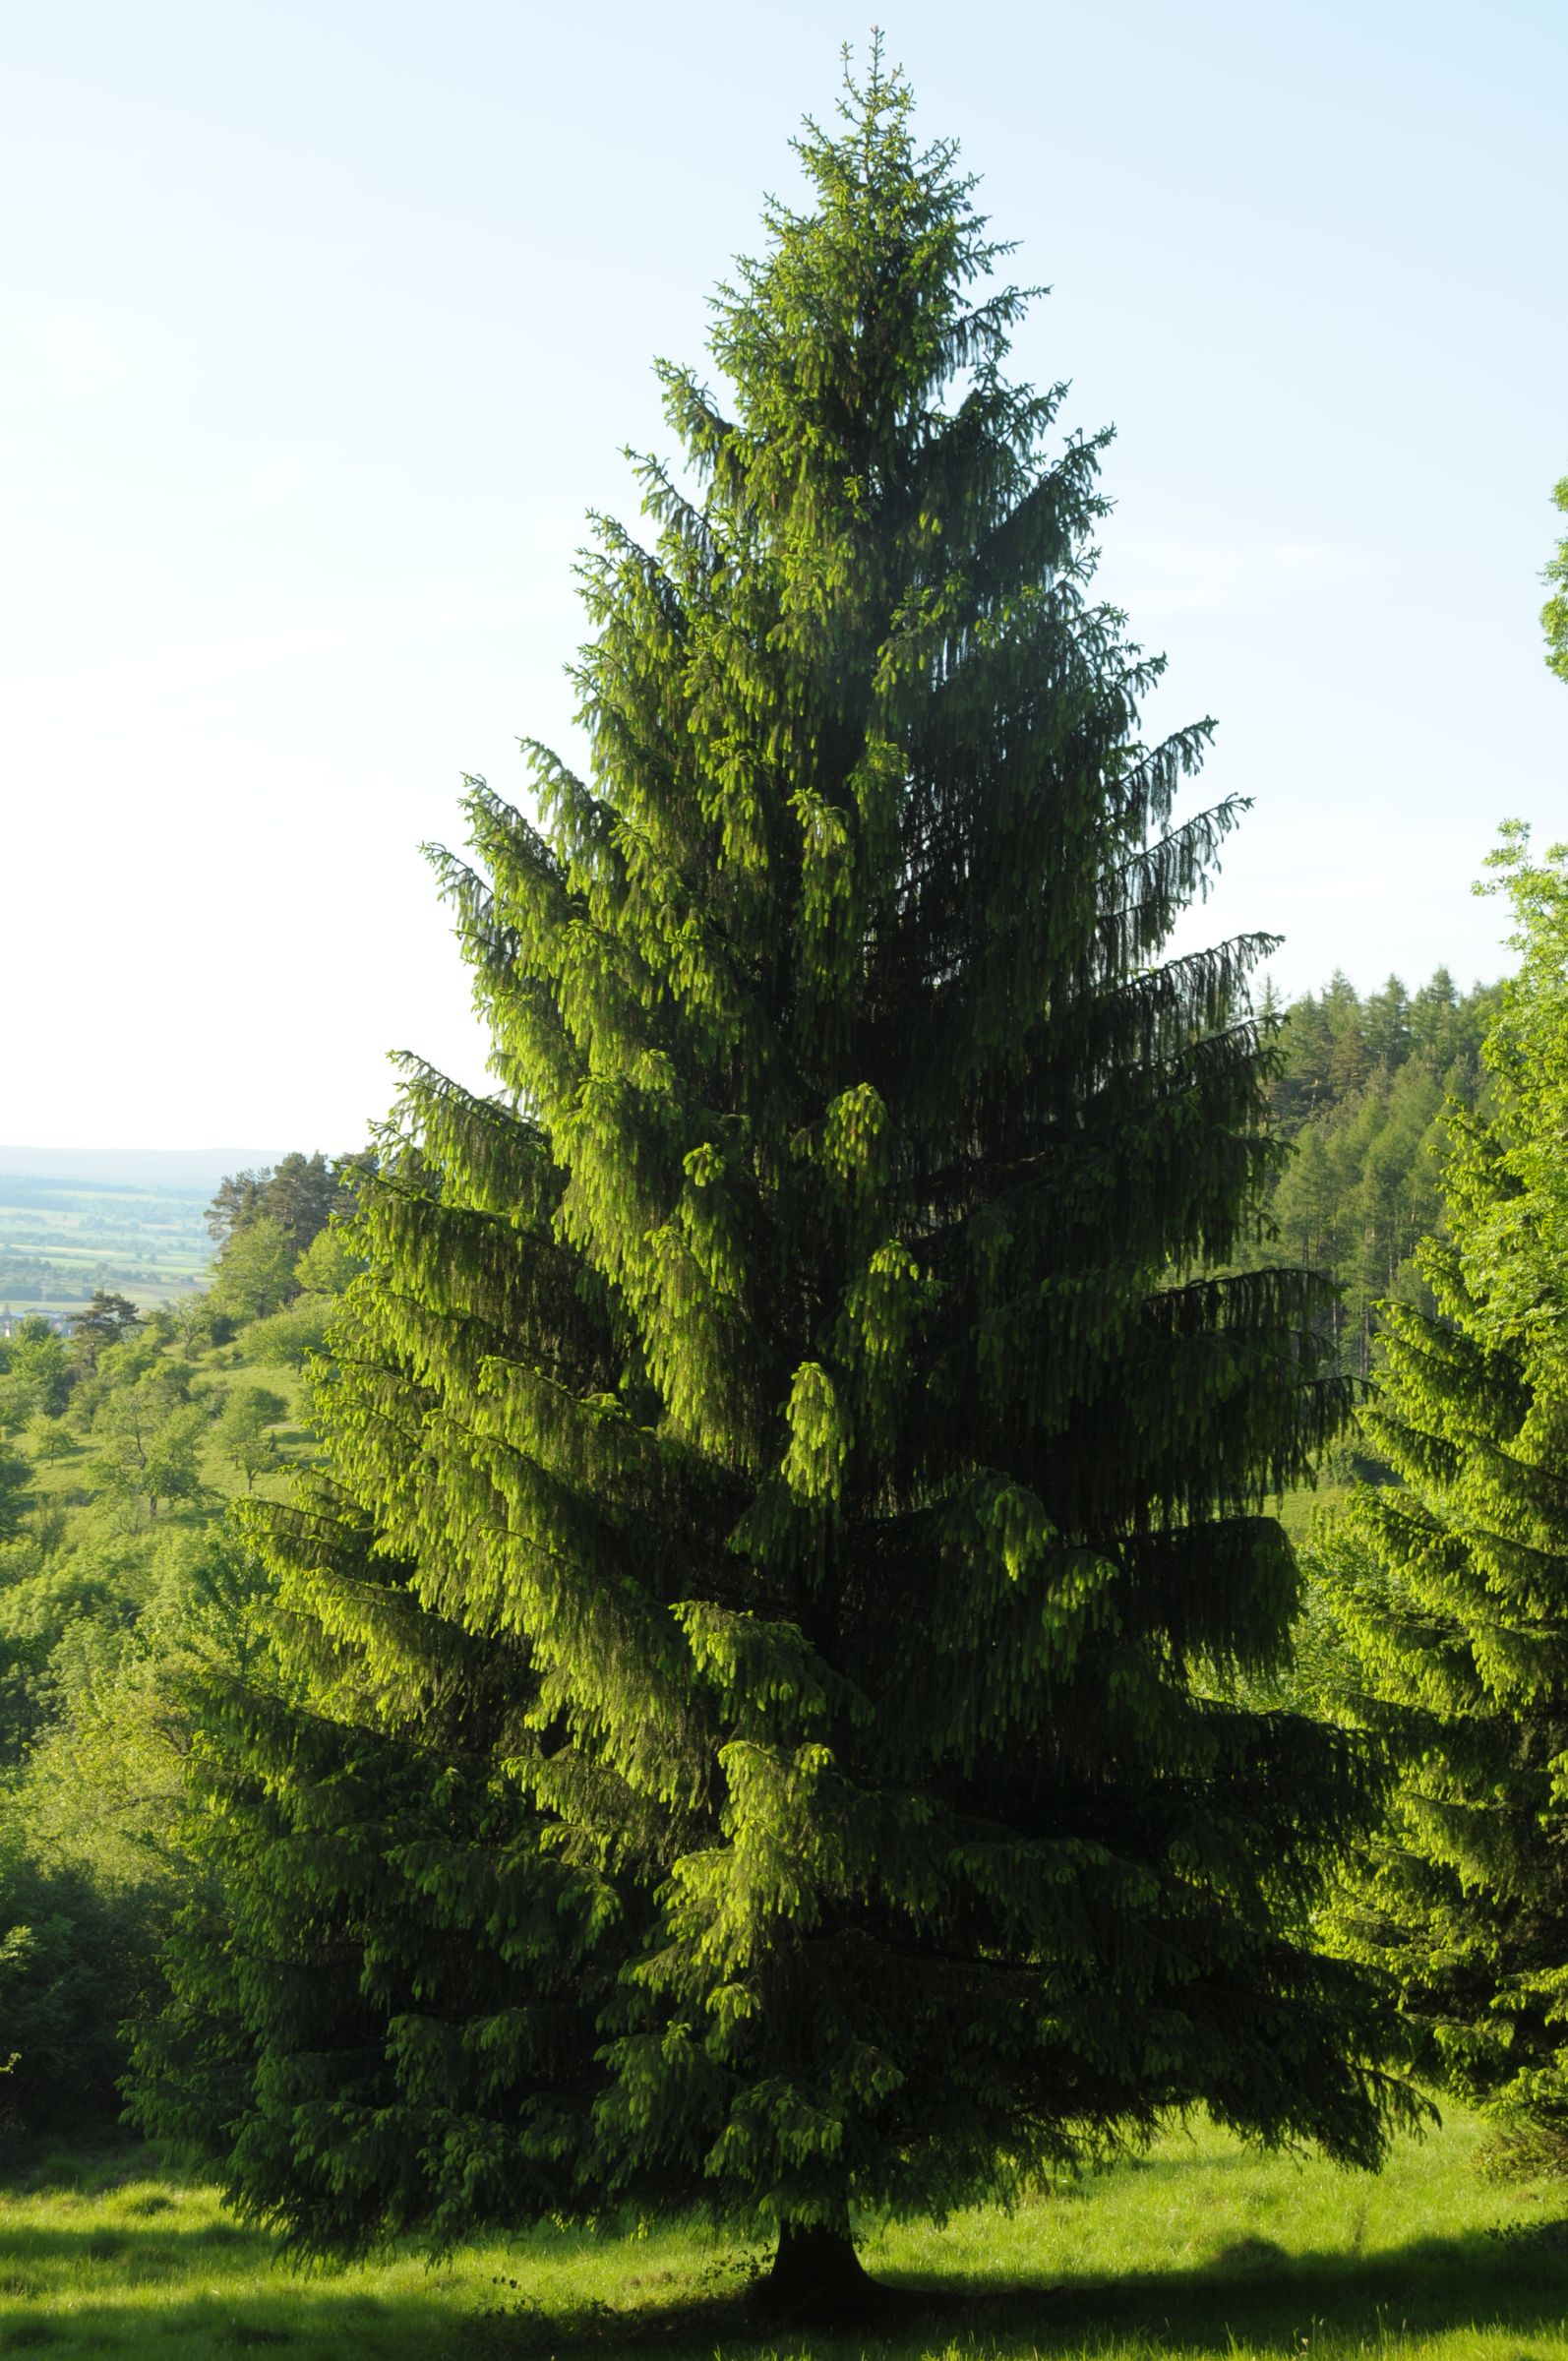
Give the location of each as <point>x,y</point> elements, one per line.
<point>65,1480</point>
<point>295,1443</point>
<point>1300,1511</point>
<point>1203,2250</point>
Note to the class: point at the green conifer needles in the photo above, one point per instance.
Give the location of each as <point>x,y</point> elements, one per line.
<point>1452,1586</point>
<point>803,1471</point>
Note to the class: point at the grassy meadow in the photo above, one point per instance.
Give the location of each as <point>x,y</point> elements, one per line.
<point>1203,2249</point>
<point>65,1478</point>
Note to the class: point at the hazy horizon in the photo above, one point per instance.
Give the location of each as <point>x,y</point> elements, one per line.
<point>89,1162</point>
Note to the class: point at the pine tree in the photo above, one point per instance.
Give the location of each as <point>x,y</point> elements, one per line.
<point>1451,1586</point>
<point>1359,1097</point>
<point>754,1737</point>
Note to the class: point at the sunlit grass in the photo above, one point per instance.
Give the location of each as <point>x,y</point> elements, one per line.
<point>1203,2250</point>
<point>1301,1511</point>
<point>224,1375</point>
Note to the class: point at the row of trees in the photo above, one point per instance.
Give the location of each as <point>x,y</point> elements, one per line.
<point>1365,1093</point>
<point>275,1235</point>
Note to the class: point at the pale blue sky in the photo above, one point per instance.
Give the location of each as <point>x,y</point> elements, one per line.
<point>323,325</point>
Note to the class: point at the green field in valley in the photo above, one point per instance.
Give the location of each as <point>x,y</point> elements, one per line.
<point>59,1241</point>
<point>133,1222</point>
<point>62,1235</point>
<point>1203,2249</point>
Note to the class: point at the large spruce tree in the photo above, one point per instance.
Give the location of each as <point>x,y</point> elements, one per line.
<point>1451,1585</point>
<point>755,1733</point>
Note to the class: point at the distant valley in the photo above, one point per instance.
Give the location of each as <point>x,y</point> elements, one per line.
<point>129,1220</point>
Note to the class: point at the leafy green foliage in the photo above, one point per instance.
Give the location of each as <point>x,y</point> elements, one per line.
<point>245,1431</point>
<point>117,1581</point>
<point>1555,613</point>
<point>15,1474</point>
<point>256,1273</point>
<point>68,1981</point>
<point>748,1734</point>
<point>92,1863</point>
<point>35,1378</point>
<point>146,1439</point>
<point>1451,1587</point>
<point>328,1263</point>
<point>275,1234</point>
<point>288,1338</point>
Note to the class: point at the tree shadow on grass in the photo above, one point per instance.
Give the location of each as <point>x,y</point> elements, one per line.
<point>160,2286</point>
<point>157,2285</point>
<point>1268,2300</point>
<point>1252,2294</point>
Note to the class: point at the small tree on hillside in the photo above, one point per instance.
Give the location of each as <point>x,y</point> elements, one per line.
<point>192,1318</point>
<point>793,1473</point>
<point>245,1434</point>
<point>328,1263</point>
<point>38,1380</point>
<point>1451,1587</point>
<point>108,1320</point>
<point>146,1443</point>
<point>48,1440</point>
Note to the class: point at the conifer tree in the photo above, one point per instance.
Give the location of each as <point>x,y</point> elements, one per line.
<point>754,1735</point>
<point>1451,1586</point>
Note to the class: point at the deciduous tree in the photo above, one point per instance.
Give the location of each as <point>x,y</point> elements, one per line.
<point>255,1272</point>
<point>328,1265</point>
<point>1555,613</point>
<point>146,1443</point>
<point>245,1431</point>
<point>37,1376</point>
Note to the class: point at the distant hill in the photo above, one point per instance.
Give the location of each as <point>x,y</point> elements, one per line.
<point>182,1169</point>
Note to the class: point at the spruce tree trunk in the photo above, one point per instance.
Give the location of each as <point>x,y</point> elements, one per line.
<point>816,2270</point>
